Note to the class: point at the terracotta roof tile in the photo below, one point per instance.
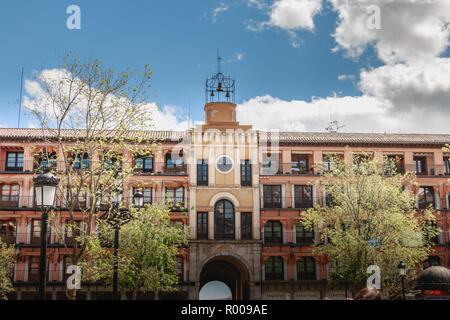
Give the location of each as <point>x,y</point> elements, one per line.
<point>284,137</point>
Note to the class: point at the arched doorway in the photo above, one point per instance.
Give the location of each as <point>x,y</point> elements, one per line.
<point>230,272</point>
<point>215,290</point>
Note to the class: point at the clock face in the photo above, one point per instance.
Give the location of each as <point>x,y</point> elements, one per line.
<point>224,164</point>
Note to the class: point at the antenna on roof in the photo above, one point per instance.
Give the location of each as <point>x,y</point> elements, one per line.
<point>333,125</point>
<point>20,99</point>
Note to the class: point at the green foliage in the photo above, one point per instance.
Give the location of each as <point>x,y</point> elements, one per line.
<point>149,245</point>
<point>7,260</point>
<point>370,204</point>
<point>95,119</point>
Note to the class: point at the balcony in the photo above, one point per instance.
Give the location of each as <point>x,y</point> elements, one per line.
<point>275,168</point>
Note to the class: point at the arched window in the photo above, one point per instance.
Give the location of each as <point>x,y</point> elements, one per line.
<point>273,232</point>
<point>274,268</point>
<point>306,268</point>
<point>224,220</point>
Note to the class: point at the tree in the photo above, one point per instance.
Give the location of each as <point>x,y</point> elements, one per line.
<point>92,118</point>
<point>370,219</point>
<point>149,245</point>
<point>7,261</point>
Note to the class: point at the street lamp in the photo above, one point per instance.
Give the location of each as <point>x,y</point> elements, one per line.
<point>45,186</point>
<point>138,199</point>
<point>402,271</point>
<point>117,217</point>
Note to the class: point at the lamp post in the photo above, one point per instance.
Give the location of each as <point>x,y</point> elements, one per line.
<point>117,217</point>
<point>45,185</point>
<point>402,271</point>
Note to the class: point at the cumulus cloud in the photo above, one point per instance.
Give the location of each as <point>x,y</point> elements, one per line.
<point>396,98</point>
<point>414,87</point>
<point>288,15</point>
<point>410,30</point>
<point>36,98</point>
<point>358,114</point>
<point>294,14</point>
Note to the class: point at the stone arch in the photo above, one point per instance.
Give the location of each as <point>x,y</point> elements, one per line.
<point>228,269</point>
<point>234,257</point>
<point>224,195</point>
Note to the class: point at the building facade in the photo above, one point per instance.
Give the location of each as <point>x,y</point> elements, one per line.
<point>244,190</point>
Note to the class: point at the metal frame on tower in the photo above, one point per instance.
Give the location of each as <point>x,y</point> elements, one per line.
<point>219,87</point>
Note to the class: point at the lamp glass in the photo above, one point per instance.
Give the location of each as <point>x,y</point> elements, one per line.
<point>138,200</point>
<point>45,196</point>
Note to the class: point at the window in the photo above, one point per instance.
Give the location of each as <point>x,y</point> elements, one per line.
<point>246,173</point>
<point>74,230</point>
<point>447,165</point>
<point>426,197</point>
<point>46,160</point>
<point>246,225</point>
<point>272,196</point>
<point>10,195</point>
<point>299,164</point>
<point>144,164</point>
<point>36,232</point>
<point>180,268</point>
<point>329,162</point>
<point>303,196</point>
<point>420,165</point>
<point>175,195</point>
<point>14,161</point>
<point>271,166</point>
<point>224,220</point>
<point>273,232</point>
<point>33,269</point>
<point>113,162</point>
<point>175,161</point>
<point>78,199</point>
<point>8,231</point>
<point>330,200</point>
<point>146,192</point>
<point>306,268</point>
<point>274,268</point>
<point>393,164</point>
<point>202,172</point>
<point>302,235</point>
<point>202,225</point>
<point>80,161</point>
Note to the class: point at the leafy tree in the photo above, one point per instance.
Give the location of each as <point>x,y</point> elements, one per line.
<point>372,220</point>
<point>92,117</point>
<point>149,245</point>
<point>7,261</point>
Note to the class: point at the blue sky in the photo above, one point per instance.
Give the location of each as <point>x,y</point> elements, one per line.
<point>179,39</point>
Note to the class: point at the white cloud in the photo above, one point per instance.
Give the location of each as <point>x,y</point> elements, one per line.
<point>240,56</point>
<point>396,98</point>
<point>411,30</point>
<point>288,15</point>
<point>294,14</point>
<point>345,77</point>
<point>167,118</point>
<point>223,7</point>
<point>411,87</point>
<point>36,98</point>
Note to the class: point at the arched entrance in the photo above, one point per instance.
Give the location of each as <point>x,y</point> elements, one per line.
<point>229,271</point>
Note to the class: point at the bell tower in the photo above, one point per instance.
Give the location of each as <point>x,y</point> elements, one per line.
<point>220,109</point>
